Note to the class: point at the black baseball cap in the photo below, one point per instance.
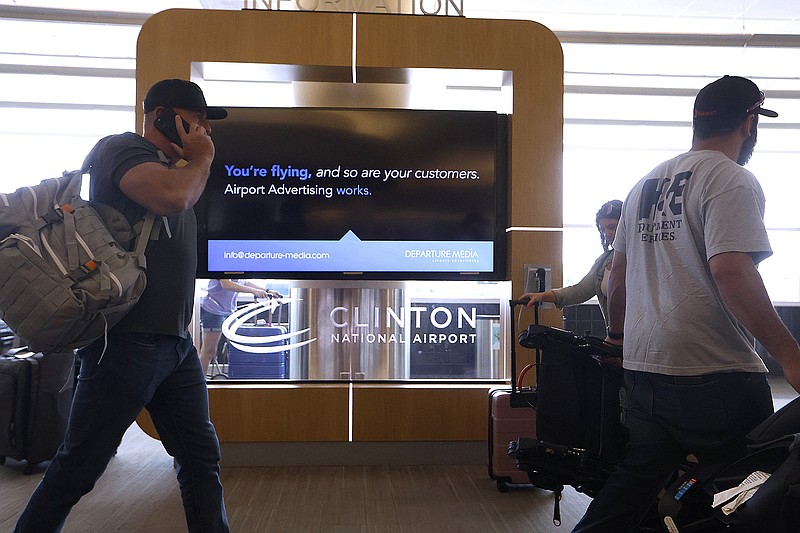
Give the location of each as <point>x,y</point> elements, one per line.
<point>180,93</point>
<point>728,101</point>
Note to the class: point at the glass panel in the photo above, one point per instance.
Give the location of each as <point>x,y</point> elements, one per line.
<point>46,142</point>
<point>778,177</point>
<point>780,272</point>
<point>628,107</point>
<point>77,91</point>
<point>688,67</point>
<point>62,42</point>
<point>593,176</point>
<point>364,331</point>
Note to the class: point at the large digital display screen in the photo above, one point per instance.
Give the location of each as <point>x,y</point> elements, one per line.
<point>331,193</point>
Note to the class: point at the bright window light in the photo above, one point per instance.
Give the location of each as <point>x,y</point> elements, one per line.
<point>626,108</point>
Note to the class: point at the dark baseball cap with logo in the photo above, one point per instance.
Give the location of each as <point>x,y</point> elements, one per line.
<point>180,93</point>
<point>728,101</point>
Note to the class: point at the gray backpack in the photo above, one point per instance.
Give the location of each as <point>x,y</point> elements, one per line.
<point>66,276</point>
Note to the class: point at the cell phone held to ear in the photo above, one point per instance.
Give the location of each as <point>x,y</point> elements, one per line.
<point>165,123</point>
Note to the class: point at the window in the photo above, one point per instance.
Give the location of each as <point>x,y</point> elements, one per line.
<point>58,96</point>
<point>627,107</point>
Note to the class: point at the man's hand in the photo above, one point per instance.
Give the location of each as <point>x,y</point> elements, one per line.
<point>197,143</point>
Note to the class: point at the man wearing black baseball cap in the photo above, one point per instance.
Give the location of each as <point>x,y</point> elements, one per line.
<point>148,360</point>
<point>685,301</point>
<point>180,93</point>
<point>721,106</point>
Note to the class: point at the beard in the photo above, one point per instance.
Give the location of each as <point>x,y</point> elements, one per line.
<point>746,151</point>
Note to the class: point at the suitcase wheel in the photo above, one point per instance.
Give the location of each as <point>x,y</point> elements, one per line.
<point>502,486</point>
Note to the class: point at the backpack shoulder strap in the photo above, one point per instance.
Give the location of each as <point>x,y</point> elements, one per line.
<point>148,221</point>
<point>144,236</point>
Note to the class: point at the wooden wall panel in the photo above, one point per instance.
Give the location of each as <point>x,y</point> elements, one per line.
<point>540,248</point>
<point>171,40</point>
<point>253,413</point>
<point>396,413</point>
<point>275,413</point>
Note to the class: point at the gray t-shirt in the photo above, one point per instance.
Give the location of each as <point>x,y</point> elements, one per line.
<point>167,301</point>
<point>684,212</point>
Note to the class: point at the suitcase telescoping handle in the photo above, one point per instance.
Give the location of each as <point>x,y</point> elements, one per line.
<point>540,287</point>
<point>513,304</point>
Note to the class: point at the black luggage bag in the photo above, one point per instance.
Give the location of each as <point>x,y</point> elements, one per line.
<point>579,435</point>
<point>579,393</point>
<point>774,506</point>
<point>35,399</point>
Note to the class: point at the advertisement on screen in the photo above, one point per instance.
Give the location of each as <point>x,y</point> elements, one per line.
<point>309,193</point>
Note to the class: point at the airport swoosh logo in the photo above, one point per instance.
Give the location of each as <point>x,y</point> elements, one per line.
<point>266,343</point>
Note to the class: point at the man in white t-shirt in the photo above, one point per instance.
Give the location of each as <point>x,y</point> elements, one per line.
<point>685,300</point>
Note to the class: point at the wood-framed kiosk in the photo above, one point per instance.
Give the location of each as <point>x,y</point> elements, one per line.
<point>390,423</point>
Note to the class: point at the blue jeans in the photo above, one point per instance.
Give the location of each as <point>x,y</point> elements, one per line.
<point>670,417</point>
<point>161,373</point>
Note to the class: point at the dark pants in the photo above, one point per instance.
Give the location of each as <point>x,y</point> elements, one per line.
<point>161,373</point>
<point>670,418</point>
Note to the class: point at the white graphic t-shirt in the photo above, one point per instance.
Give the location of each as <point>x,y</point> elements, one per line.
<point>684,212</point>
